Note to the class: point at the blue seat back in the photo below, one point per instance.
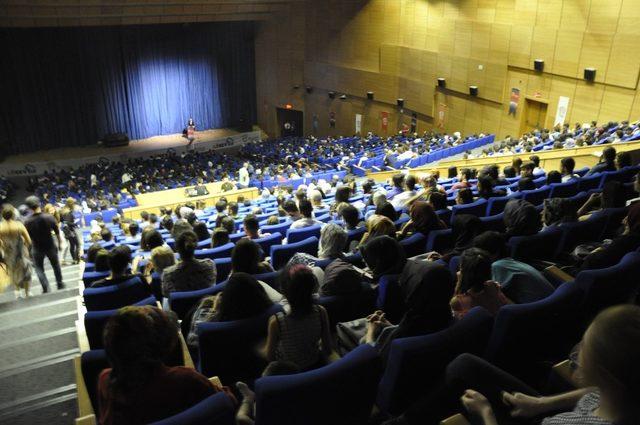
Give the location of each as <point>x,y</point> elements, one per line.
<point>416,364</point>
<point>541,246</point>
<point>95,321</point>
<point>564,190</point>
<point>217,409</point>
<point>536,197</point>
<point>496,205</point>
<point>440,241</point>
<point>589,182</point>
<point>267,242</point>
<point>477,208</point>
<point>181,302</point>
<point>347,389</point>
<point>223,251</point>
<point>414,244</point>
<point>88,278</point>
<point>297,235</point>
<point>493,223</point>
<point>116,296</point>
<point>277,228</point>
<point>270,279</point>
<point>280,254</point>
<point>574,234</point>
<point>227,349</point>
<point>223,268</point>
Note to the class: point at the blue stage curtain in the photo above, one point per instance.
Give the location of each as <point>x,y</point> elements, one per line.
<point>71,86</point>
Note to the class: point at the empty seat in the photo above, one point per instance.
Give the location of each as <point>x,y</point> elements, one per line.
<point>296,235</point>
<point>115,296</point>
<point>415,364</point>
<point>218,252</point>
<point>228,349</point>
<point>95,321</point>
<point>280,254</point>
<point>341,393</point>
<point>477,208</point>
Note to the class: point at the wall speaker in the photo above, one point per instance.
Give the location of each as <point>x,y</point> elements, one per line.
<point>442,82</point>
<point>343,97</point>
<point>400,103</point>
<point>296,87</point>
<point>370,95</point>
<point>332,95</point>
<point>538,65</point>
<point>473,90</point>
<point>590,74</point>
<point>309,89</point>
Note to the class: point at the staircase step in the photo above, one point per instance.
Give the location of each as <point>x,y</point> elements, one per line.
<point>38,325</point>
<point>40,308</point>
<point>22,303</point>
<point>23,387</point>
<point>37,346</point>
<point>58,409</point>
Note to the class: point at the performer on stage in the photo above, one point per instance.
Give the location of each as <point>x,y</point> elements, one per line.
<point>191,131</point>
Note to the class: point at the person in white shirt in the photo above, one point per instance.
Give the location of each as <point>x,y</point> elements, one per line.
<point>306,220</point>
<point>243,176</point>
<point>316,200</point>
<point>400,200</point>
<point>567,164</point>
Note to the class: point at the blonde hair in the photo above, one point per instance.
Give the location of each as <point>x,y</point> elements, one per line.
<point>162,257</point>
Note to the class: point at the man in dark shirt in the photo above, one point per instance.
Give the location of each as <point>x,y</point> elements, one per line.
<point>40,227</point>
<point>119,259</point>
<point>607,162</point>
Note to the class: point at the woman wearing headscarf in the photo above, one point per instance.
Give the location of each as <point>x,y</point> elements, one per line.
<point>465,228</point>
<point>426,289</point>
<point>387,210</point>
<point>377,225</point>
<point>629,241</point>
<point>423,220</point>
<point>521,218</point>
<point>383,255</point>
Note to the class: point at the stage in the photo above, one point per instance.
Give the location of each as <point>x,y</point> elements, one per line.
<point>37,162</point>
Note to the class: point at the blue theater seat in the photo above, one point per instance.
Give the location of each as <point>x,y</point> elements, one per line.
<point>228,349</point>
<point>574,234</point>
<point>477,208</point>
<point>223,268</point>
<point>493,223</point>
<point>280,254</point>
<point>266,242</point>
<point>541,246</point>
<point>440,241</point>
<point>416,364</point>
<point>414,244</point>
<point>496,205</point>
<point>217,409</point>
<point>116,296</point>
<point>535,197</point>
<point>297,235</point>
<point>564,190</point>
<point>344,390</point>
<point>223,251</point>
<point>182,302</point>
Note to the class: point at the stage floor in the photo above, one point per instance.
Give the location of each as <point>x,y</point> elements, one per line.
<point>135,148</point>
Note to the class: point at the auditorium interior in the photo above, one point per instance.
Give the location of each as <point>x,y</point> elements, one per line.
<point>249,209</point>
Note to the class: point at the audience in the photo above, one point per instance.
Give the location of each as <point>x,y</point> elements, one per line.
<point>190,273</point>
<point>14,247</point>
<point>423,220</point>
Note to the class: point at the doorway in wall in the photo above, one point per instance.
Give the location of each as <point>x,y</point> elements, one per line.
<point>290,122</point>
<point>534,116</point>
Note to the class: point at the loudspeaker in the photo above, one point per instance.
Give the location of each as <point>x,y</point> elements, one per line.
<point>115,139</point>
<point>296,87</point>
<point>538,65</point>
<point>442,82</point>
<point>473,90</point>
<point>309,89</point>
<point>400,103</point>
<point>590,74</point>
<point>332,95</point>
<point>370,95</point>
<point>343,97</point>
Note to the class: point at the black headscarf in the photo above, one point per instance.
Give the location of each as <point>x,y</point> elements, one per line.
<point>465,227</point>
<point>383,255</point>
<point>521,218</point>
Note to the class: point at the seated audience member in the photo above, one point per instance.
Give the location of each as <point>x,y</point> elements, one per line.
<point>93,251</point>
<point>526,170</point>
<point>485,188</point>
<point>243,297</point>
<point>526,183</point>
<point>557,211</point>
<point>302,335</point>
<point>232,210</point>
<point>246,258</point>
<point>398,186</point>
<point>316,200</point>
<point>387,210</point>
<point>607,162</point>
<point>463,180</point>
<point>383,255</point>
<point>228,224</point>
<point>340,278</point>
<point>438,200</point>
<point>219,237</point>
<point>400,200</point>
<point>535,159</point>
<point>519,281</point>
<point>464,196</point>
<point>272,220</point>
<point>200,229</point>
<point>343,193</point>
<point>426,290</point>
<point>474,286</point>
<point>107,237</point>
<point>141,387</point>
<point>149,240</point>
<point>553,176</point>
<point>377,225</point>
<point>101,260</point>
<point>609,255</point>
<point>465,227</point>
<point>190,273</point>
<point>167,223</point>
<point>134,235</point>
<point>623,160</point>
<point>509,172</point>
<point>608,394</point>
<point>252,227</point>
<point>119,262</point>
<point>613,195</point>
<point>567,164</point>
<point>521,218</point>
<point>306,216</point>
<point>332,243</point>
<point>179,227</point>
<point>423,220</point>
<point>351,217</point>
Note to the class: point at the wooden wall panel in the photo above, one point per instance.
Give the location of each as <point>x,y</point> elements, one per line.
<point>543,46</point>
<point>624,61</point>
<point>616,103</point>
<point>567,53</point>
<point>595,54</point>
<point>520,46</point>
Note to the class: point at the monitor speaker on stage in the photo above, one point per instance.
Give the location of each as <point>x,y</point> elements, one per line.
<point>115,139</point>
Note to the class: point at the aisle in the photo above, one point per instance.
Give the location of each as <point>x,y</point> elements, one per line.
<point>38,342</point>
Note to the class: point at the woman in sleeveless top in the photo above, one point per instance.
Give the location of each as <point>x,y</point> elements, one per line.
<point>15,243</point>
<point>302,335</point>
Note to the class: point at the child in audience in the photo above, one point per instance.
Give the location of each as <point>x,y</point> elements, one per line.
<point>142,386</point>
<point>301,336</point>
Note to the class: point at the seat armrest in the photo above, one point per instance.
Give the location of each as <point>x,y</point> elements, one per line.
<point>557,275</point>
<point>86,420</point>
<point>84,402</point>
<point>456,419</point>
